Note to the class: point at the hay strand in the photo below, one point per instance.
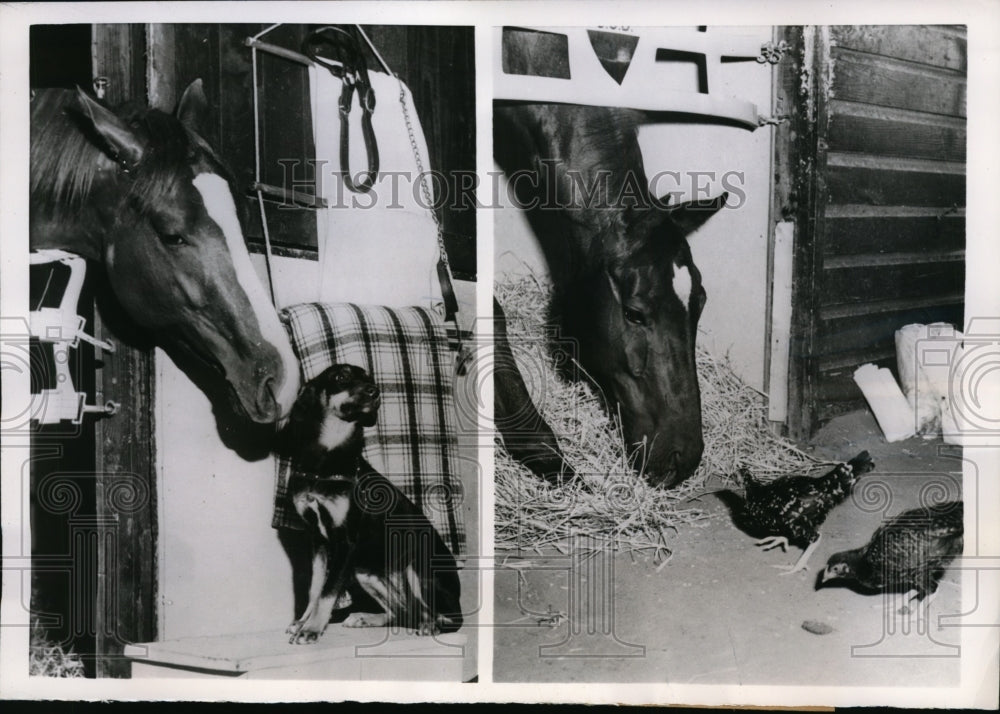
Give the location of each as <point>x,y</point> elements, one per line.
<point>46,659</point>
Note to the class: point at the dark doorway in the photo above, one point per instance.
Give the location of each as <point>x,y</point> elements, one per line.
<point>60,56</point>
<point>63,502</point>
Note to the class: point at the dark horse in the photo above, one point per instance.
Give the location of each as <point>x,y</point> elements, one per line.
<point>626,287</point>
<point>142,193</point>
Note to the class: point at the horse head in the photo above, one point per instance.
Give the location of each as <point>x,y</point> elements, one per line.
<point>642,306</point>
<point>626,288</point>
<point>151,200</point>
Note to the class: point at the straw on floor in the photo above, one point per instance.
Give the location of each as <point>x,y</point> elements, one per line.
<point>49,659</point>
<point>612,506</point>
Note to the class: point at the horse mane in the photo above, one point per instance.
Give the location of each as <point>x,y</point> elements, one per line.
<point>605,133</point>
<point>598,146</point>
<point>165,160</point>
<point>610,138</point>
<point>66,160</point>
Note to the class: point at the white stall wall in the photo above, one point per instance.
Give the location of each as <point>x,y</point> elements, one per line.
<point>731,249</point>
<point>222,569</point>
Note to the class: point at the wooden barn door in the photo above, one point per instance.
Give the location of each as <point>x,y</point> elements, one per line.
<point>871,170</point>
<point>125,479</point>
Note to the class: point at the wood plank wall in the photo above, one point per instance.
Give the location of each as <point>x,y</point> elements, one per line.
<point>125,451</point>
<point>888,236</point>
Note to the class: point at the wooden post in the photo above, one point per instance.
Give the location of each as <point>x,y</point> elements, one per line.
<point>799,198</point>
<point>125,483</point>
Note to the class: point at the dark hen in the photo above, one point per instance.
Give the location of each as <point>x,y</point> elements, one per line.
<point>907,553</point>
<point>790,509</point>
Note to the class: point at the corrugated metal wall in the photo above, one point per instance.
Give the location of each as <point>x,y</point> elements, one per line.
<point>882,242</point>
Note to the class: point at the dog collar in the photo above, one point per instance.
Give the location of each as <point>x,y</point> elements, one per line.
<point>313,476</point>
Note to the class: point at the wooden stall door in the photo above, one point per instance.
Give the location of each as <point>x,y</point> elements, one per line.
<point>125,482</point>
<point>871,169</point>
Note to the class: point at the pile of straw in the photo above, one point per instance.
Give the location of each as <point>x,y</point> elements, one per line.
<point>50,660</point>
<point>611,506</point>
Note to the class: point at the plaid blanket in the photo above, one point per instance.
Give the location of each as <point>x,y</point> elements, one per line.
<point>413,444</point>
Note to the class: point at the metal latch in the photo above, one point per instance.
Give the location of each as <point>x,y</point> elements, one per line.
<point>51,406</point>
<point>62,327</point>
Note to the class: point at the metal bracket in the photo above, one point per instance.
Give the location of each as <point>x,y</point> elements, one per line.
<point>772,53</point>
<point>101,85</point>
<point>62,327</point>
<point>56,326</point>
<point>764,120</point>
<point>51,406</point>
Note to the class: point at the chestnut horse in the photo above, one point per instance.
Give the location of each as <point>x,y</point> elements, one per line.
<point>142,193</point>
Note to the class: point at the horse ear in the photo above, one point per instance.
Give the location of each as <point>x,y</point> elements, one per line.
<point>117,140</point>
<point>690,215</point>
<point>192,110</point>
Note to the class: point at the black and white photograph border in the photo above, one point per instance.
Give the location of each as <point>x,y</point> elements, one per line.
<point>638,593</point>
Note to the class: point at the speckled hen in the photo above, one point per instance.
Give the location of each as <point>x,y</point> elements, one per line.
<point>791,509</point>
<point>907,554</point>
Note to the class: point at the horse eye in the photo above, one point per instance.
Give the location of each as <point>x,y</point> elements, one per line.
<point>172,239</point>
<point>634,316</point>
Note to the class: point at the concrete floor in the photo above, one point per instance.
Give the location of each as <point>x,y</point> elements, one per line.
<point>717,612</point>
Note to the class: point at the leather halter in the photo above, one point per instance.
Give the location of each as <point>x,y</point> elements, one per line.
<point>346,61</point>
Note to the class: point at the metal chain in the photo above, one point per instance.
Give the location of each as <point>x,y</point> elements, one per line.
<point>424,188</point>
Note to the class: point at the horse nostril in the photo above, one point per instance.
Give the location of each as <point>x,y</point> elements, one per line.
<point>267,401</point>
<point>673,472</point>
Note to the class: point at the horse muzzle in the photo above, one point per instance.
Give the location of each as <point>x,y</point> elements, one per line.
<point>262,390</point>
<point>673,464</point>
<point>273,392</point>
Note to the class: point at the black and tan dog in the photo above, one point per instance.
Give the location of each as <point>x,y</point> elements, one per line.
<point>365,532</point>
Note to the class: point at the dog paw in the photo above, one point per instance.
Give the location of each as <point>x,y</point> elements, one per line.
<point>366,619</point>
<point>304,633</point>
<point>304,637</point>
<point>427,629</point>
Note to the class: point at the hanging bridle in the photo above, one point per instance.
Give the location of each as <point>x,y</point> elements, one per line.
<point>338,49</point>
<point>344,58</point>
